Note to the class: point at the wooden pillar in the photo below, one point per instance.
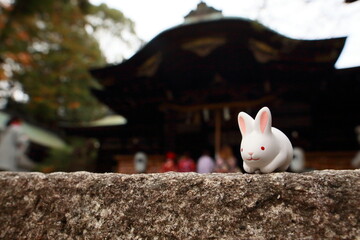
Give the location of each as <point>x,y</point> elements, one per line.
<point>217,134</point>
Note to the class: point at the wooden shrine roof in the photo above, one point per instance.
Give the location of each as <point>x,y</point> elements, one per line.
<point>194,57</point>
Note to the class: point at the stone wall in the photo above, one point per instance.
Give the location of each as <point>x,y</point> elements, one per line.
<point>315,205</point>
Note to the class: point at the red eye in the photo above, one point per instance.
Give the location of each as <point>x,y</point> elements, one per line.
<point>262,148</point>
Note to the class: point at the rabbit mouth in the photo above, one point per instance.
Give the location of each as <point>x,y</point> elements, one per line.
<point>252,159</point>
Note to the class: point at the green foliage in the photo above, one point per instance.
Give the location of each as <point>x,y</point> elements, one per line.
<point>49,49</point>
<point>57,160</point>
<point>28,7</point>
<point>108,13</point>
<point>107,20</point>
<point>79,155</point>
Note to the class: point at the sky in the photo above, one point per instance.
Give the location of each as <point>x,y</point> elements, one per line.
<point>299,19</point>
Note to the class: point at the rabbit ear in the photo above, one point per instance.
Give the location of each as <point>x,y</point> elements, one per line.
<point>263,120</point>
<point>246,123</point>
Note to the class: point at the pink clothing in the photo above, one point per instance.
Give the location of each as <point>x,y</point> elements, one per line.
<point>205,164</point>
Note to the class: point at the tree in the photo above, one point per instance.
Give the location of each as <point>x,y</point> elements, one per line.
<point>113,30</point>
<point>48,47</point>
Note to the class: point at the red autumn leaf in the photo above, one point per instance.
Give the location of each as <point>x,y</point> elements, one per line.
<point>74,105</point>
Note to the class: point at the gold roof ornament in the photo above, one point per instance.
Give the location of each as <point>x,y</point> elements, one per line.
<point>202,12</point>
<point>203,46</point>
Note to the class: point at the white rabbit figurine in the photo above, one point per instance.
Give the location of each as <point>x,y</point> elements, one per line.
<point>263,147</point>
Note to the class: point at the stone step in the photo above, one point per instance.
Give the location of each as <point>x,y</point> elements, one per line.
<point>314,205</point>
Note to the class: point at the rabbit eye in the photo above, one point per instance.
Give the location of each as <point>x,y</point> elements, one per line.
<point>241,149</point>
<point>262,148</point>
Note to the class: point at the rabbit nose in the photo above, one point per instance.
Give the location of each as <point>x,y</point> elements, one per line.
<point>250,153</point>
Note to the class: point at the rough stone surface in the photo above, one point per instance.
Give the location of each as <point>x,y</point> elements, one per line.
<point>315,205</point>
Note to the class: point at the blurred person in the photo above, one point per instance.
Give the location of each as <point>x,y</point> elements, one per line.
<point>140,162</point>
<point>226,162</point>
<point>356,160</point>
<point>170,164</point>
<point>220,166</point>
<point>13,146</point>
<point>205,163</point>
<point>186,164</point>
<point>298,162</point>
